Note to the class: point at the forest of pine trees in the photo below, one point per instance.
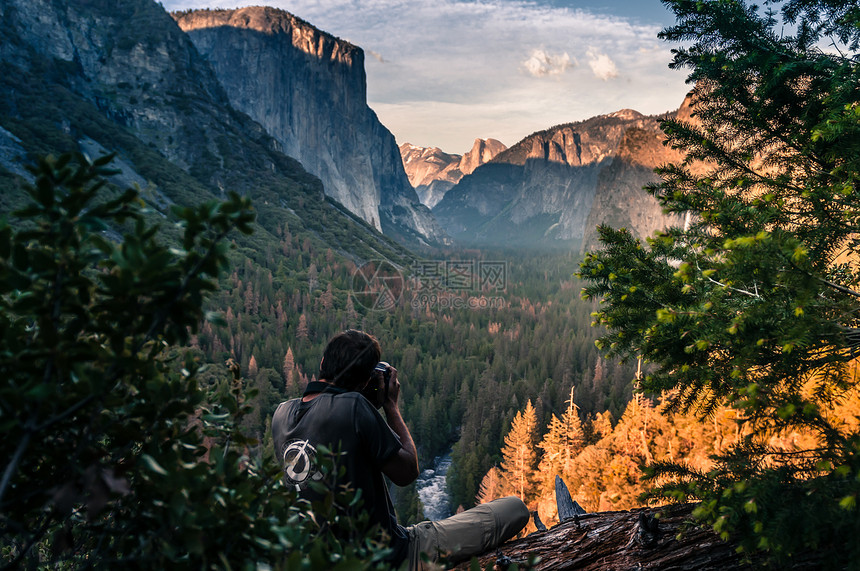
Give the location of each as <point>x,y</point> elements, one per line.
<point>746,318</point>
<point>496,383</point>
<point>465,372</point>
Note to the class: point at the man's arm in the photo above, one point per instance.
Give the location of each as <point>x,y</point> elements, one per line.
<point>402,468</point>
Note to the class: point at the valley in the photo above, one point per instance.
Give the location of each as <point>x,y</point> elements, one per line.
<point>651,307</point>
<point>199,103</point>
<point>186,125</point>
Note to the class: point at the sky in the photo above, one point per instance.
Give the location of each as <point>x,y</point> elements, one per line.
<point>441,73</point>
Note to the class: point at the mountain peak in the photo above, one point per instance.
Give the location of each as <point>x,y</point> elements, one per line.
<point>555,185</point>
<point>273,22</point>
<point>432,171</point>
<point>626,114</point>
<point>483,151</point>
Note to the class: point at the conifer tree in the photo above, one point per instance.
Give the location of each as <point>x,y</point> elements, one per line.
<point>327,298</point>
<point>288,368</point>
<point>251,301</point>
<point>574,436</point>
<point>351,313</point>
<point>302,329</point>
<point>519,455</point>
<point>601,425</point>
<point>755,302</point>
<point>491,487</point>
<point>552,459</point>
<point>562,442</point>
<point>313,278</point>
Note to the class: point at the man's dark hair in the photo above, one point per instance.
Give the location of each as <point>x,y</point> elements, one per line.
<point>349,359</point>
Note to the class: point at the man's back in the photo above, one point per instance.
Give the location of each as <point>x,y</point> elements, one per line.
<point>344,422</point>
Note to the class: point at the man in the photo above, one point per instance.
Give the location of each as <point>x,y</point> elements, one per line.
<point>334,413</point>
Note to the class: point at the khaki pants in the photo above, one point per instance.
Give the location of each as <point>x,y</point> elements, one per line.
<point>466,534</point>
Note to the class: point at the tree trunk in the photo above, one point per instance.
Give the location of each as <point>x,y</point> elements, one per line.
<point>646,538</point>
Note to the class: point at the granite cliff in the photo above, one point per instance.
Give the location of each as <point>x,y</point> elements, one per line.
<point>122,76</point>
<point>434,172</point>
<point>555,186</point>
<point>308,90</point>
<point>147,78</point>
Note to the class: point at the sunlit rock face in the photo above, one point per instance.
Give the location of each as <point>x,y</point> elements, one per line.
<point>555,186</point>
<point>483,151</point>
<point>434,172</point>
<point>308,90</point>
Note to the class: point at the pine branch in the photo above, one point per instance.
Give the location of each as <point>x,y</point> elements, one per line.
<point>838,287</point>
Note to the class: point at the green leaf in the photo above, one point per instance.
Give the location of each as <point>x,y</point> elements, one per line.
<point>152,465</point>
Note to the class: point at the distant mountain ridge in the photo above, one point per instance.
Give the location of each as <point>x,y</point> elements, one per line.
<point>556,185</point>
<point>434,172</point>
<point>308,90</point>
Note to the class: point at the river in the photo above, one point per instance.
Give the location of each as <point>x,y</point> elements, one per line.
<point>432,490</point>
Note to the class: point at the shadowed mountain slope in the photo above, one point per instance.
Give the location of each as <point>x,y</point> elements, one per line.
<point>554,186</point>
<point>123,77</point>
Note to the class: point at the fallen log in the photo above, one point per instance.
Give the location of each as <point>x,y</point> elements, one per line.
<point>662,538</point>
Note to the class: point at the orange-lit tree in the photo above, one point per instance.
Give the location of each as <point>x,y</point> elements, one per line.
<point>519,456</point>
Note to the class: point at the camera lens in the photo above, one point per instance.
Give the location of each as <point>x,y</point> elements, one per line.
<point>382,366</point>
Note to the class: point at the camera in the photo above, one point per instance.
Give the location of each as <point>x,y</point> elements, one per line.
<point>375,391</point>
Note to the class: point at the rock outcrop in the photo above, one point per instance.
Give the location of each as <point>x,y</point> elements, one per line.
<point>554,186</point>
<point>308,90</point>
<point>434,172</point>
<point>619,199</point>
<point>483,151</point>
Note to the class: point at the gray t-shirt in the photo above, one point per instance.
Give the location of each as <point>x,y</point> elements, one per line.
<point>344,421</point>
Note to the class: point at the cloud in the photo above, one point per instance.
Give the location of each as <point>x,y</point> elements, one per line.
<point>454,70</point>
<point>378,56</point>
<point>602,65</point>
<point>542,63</point>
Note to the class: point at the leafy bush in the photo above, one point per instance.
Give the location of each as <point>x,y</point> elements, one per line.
<point>116,454</point>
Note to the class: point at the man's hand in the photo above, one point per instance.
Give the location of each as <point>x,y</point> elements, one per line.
<point>402,468</point>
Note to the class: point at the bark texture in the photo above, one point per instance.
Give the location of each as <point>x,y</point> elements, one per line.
<point>646,538</point>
